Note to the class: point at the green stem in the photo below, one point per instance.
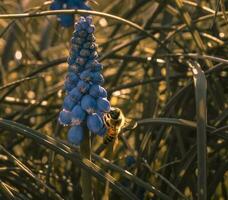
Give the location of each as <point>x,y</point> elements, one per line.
<point>86,179</point>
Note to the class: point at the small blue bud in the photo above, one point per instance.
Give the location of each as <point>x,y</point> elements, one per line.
<point>65,117</point>
<point>68,103</point>
<point>72,77</point>
<point>89,65</point>
<point>78,115</point>
<point>88,104</point>
<point>85,25</point>
<point>91,29</point>
<point>89,19</point>
<point>93,55</point>
<point>94,123</point>
<point>97,67</point>
<point>86,45</point>
<point>83,86</point>
<point>84,53</point>
<point>94,66</point>
<point>86,75</point>
<point>97,78</point>
<point>97,91</point>
<point>71,60</point>
<point>75,48</point>
<point>82,20</point>
<point>77,40</point>
<point>103,104</point>
<point>81,61</point>
<point>82,34</point>
<point>74,68</point>
<point>130,160</point>
<point>68,86</point>
<point>73,54</point>
<point>75,135</point>
<point>75,94</point>
<point>91,38</point>
<point>93,47</point>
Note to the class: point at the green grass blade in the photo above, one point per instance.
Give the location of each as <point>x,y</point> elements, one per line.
<point>200,84</point>
<point>65,151</point>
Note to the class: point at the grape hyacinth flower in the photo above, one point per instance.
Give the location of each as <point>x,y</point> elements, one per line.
<point>86,100</point>
<point>67,20</point>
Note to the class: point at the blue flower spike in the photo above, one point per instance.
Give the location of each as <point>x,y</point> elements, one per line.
<point>86,100</point>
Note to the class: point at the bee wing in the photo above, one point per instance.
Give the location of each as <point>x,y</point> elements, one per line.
<point>129,124</point>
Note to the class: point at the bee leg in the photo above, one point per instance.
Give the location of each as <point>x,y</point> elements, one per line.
<point>115,144</point>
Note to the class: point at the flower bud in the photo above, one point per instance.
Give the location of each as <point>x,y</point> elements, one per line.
<point>130,160</point>
<point>68,86</point>
<point>78,115</point>
<point>84,53</point>
<point>80,61</point>
<point>97,91</point>
<point>88,104</point>
<point>86,75</point>
<point>97,78</point>
<point>72,77</point>
<point>75,94</point>
<point>68,103</point>
<point>75,68</point>
<point>103,104</point>
<point>65,117</point>
<point>94,123</point>
<point>75,135</point>
<point>83,86</point>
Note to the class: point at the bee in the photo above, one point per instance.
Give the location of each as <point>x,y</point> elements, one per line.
<point>115,122</point>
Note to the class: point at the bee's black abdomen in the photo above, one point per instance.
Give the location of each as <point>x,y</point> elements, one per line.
<point>108,139</point>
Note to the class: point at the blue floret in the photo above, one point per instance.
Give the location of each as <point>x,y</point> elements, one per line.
<point>83,86</point>
<point>68,103</point>
<point>97,78</point>
<point>75,94</point>
<point>89,104</point>
<point>86,75</point>
<point>75,135</point>
<point>94,123</point>
<point>103,104</point>
<point>65,117</point>
<point>97,91</point>
<point>78,115</point>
